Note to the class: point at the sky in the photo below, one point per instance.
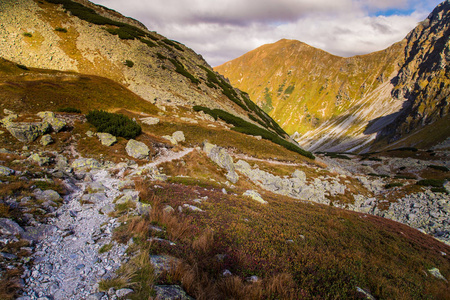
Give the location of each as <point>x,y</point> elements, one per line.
<point>221,30</point>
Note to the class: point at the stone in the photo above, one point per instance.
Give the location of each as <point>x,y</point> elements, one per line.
<point>170,139</point>
<point>132,196</point>
<point>107,209</point>
<point>49,117</point>
<point>178,136</point>
<point>38,233</point>
<point>137,149</point>
<point>168,209</point>
<point>85,163</point>
<point>192,207</point>
<point>436,273</point>
<point>150,120</point>
<point>169,292</point>
<point>5,171</point>
<point>106,139</point>
<point>9,227</point>
<point>46,139</point>
<point>143,208</point>
<point>89,133</point>
<point>299,174</point>
<point>95,296</point>
<point>255,196</point>
<point>123,292</point>
<point>27,132</point>
<point>220,156</point>
<point>47,195</point>
<point>40,160</point>
<point>163,263</point>
<point>365,293</point>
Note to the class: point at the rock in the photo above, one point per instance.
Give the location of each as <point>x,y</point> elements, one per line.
<point>106,139</point>
<point>89,133</point>
<point>192,207</point>
<point>223,159</point>
<point>163,263</point>
<point>95,296</point>
<point>107,209</point>
<point>255,196</point>
<point>8,112</point>
<point>253,278</point>
<point>132,196</point>
<point>169,292</point>
<point>150,120</point>
<point>40,160</point>
<point>85,163</point>
<point>299,174</point>
<point>137,149</point>
<point>226,273</point>
<point>170,139</point>
<point>366,294</point>
<point>168,209</point>
<point>123,292</point>
<point>49,117</point>
<point>9,227</point>
<point>27,132</point>
<point>38,233</point>
<point>46,139</point>
<point>436,273</point>
<point>5,171</point>
<point>143,208</point>
<point>47,195</point>
<point>178,136</point>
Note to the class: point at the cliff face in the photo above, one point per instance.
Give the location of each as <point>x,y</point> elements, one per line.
<point>331,103</point>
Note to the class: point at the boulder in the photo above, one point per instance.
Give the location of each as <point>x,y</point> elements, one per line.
<point>5,171</point>
<point>143,208</point>
<point>40,160</point>
<point>171,139</point>
<point>49,117</point>
<point>163,263</point>
<point>166,292</point>
<point>123,292</point>
<point>128,197</point>
<point>47,195</point>
<point>178,136</point>
<point>220,156</point>
<point>9,227</point>
<point>46,139</point>
<point>192,207</point>
<point>255,196</point>
<point>436,273</point>
<point>86,163</point>
<point>27,132</point>
<point>106,139</point>
<point>299,174</point>
<point>150,120</point>
<point>137,149</point>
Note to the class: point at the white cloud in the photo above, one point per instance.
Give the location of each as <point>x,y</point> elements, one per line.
<point>225,29</point>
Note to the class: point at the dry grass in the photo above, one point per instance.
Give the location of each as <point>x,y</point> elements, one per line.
<point>10,284</point>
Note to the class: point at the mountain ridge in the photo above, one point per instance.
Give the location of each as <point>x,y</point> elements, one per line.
<point>331,93</point>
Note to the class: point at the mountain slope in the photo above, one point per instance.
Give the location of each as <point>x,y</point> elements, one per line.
<point>341,104</point>
<point>82,37</point>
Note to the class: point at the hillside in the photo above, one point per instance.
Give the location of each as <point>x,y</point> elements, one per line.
<point>105,194</point>
<point>332,103</point>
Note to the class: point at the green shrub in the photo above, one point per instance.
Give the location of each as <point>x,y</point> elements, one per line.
<point>69,110</point>
<point>173,44</point>
<point>405,177</point>
<point>245,127</point>
<point>115,124</point>
<point>439,190</point>
<point>437,183</point>
<point>439,168</point>
<point>337,155</point>
<point>129,63</point>
<point>23,67</point>
<point>179,68</point>
<point>27,34</point>
<point>394,184</point>
<point>60,29</point>
<point>379,175</point>
<point>148,43</point>
<point>160,56</point>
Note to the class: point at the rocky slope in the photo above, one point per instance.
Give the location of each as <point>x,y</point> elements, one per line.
<point>85,38</point>
<point>331,103</point>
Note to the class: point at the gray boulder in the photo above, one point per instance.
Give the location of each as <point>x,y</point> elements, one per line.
<point>169,292</point>
<point>27,132</point>
<point>40,160</point>
<point>86,163</point>
<point>5,171</point>
<point>137,149</point>
<point>255,196</point>
<point>47,195</point>
<point>46,139</point>
<point>49,117</point>
<point>178,136</point>
<point>9,227</point>
<point>106,139</point>
<point>150,120</point>
<point>220,156</point>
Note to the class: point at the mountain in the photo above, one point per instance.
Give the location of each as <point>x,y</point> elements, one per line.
<point>89,39</point>
<point>360,103</point>
<point>109,193</point>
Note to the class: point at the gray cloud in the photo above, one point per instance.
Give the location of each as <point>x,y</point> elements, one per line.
<point>225,29</point>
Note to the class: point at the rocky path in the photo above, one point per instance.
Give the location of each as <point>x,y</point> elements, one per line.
<point>67,263</point>
<point>70,261</point>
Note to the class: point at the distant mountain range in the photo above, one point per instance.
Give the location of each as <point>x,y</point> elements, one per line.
<point>392,98</point>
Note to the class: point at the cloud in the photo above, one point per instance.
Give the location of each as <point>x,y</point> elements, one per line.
<point>225,29</point>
